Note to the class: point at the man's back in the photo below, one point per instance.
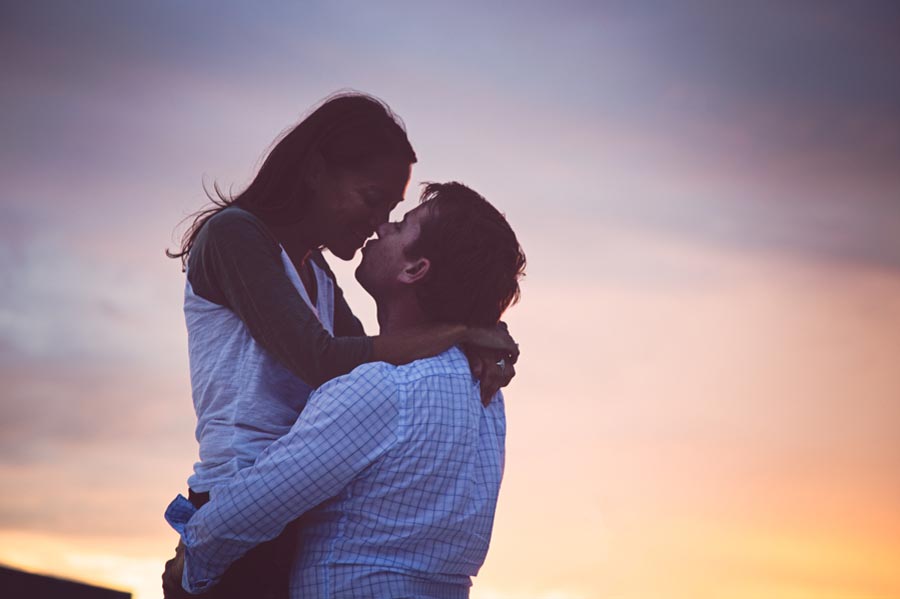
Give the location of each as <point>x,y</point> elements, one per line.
<point>397,470</point>
<point>420,516</point>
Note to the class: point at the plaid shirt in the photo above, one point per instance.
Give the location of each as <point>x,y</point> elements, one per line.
<point>396,472</point>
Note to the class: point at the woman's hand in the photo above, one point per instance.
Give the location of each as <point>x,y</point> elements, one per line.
<point>492,355</point>
<point>171,578</point>
<point>497,338</point>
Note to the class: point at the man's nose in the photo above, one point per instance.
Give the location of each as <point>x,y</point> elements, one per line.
<point>381,229</point>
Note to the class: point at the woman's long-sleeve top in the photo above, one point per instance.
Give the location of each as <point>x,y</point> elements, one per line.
<point>257,343</point>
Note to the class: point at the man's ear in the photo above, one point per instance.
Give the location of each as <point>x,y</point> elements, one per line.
<point>415,271</point>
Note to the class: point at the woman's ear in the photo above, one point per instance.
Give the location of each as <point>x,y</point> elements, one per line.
<point>415,271</point>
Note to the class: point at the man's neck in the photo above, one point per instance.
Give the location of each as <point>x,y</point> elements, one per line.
<point>400,314</point>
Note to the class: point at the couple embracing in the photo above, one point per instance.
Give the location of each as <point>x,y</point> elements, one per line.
<point>335,464</point>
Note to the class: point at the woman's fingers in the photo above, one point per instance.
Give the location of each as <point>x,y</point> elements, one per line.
<point>171,578</point>
<point>493,368</point>
<point>508,373</point>
<point>496,373</point>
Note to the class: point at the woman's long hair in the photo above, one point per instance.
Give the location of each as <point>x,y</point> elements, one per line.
<point>346,131</point>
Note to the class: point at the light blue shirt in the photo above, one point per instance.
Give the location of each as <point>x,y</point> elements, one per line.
<point>396,472</point>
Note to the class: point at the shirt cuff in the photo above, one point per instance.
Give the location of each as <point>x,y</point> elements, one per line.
<point>195,587</point>
<point>179,512</point>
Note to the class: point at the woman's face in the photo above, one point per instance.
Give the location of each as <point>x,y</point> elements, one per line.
<point>349,204</point>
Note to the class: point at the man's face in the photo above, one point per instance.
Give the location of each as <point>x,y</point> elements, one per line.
<point>384,264</point>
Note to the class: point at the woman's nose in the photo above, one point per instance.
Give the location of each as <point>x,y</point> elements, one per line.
<point>381,229</point>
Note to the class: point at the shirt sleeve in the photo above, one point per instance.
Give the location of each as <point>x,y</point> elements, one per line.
<point>347,425</point>
<point>235,262</point>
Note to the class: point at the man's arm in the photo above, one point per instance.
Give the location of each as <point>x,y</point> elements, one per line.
<point>347,425</point>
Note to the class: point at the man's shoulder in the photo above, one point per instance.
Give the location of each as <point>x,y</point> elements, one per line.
<point>451,363</point>
<point>372,371</point>
<point>376,381</point>
<point>382,382</point>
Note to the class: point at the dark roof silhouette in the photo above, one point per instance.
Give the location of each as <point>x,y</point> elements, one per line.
<point>16,583</point>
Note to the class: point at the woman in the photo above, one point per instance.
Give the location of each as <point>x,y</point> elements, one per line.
<point>266,320</point>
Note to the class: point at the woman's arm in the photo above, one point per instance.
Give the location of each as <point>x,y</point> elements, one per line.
<point>417,343</point>
<point>425,341</point>
<point>236,263</point>
<point>404,347</point>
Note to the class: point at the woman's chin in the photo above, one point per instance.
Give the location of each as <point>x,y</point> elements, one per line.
<point>344,253</point>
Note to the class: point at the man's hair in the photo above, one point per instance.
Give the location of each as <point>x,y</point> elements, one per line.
<point>476,260</point>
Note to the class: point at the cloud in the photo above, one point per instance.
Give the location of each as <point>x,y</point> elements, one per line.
<point>760,127</point>
<point>64,303</point>
<point>488,593</point>
<point>680,176</point>
<point>108,443</point>
<point>132,564</point>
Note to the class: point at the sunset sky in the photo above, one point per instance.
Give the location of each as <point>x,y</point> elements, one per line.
<point>708,400</point>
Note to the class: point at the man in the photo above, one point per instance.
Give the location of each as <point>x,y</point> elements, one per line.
<point>394,470</point>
